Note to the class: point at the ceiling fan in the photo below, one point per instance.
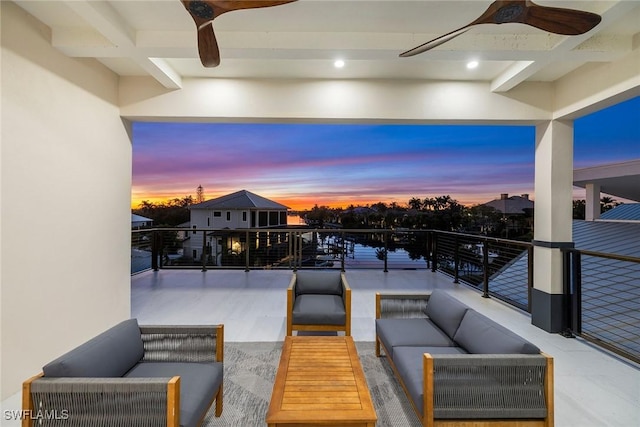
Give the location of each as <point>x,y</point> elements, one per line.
<point>203,14</point>
<point>556,20</point>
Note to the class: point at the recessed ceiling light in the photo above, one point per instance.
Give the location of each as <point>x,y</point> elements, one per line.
<point>472,64</point>
<point>339,63</point>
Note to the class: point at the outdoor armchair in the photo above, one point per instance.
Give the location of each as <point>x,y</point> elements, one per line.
<point>131,375</point>
<point>319,300</point>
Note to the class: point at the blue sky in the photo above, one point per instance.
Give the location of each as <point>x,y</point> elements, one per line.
<point>300,165</point>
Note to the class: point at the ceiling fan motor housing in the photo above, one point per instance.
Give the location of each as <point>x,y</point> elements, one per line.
<point>509,13</point>
<point>201,10</point>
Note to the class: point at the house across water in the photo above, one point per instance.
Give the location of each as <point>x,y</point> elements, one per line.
<point>240,210</point>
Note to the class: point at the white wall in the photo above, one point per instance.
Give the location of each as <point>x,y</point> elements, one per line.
<point>66,179</point>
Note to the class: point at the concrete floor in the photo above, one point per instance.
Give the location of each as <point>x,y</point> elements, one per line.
<point>592,387</point>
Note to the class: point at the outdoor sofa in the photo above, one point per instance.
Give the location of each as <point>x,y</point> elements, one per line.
<point>131,376</point>
<point>458,367</point>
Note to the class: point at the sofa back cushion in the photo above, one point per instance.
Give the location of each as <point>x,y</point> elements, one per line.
<point>480,335</point>
<point>445,311</point>
<point>110,354</point>
<point>325,282</point>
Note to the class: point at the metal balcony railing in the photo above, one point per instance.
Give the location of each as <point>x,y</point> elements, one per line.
<point>498,267</point>
<point>603,289</point>
<point>604,295</point>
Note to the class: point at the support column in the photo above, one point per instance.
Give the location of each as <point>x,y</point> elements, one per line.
<point>592,202</point>
<point>553,222</point>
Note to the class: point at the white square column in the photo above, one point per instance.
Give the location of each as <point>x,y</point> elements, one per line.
<point>553,222</point>
<point>592,205</point>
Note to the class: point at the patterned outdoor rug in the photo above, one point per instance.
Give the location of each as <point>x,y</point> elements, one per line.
<point>250,371</point>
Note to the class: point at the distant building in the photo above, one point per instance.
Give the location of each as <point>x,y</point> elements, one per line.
<point>517,214</point>
<point>138,222</point>
<point>240,210</point>
<point>514,205</point>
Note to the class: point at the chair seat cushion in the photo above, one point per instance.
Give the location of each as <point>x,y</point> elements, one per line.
<point>316,309</point>
<point>408,361</point>
<point>416,332</point>
<point>199,383</point>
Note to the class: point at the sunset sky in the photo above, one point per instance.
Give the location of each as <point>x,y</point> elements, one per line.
<point>300,165</point>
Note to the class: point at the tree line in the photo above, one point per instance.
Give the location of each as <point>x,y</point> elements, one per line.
<point>169,213</point>
<point>437,213</point>
<point>434,213</point>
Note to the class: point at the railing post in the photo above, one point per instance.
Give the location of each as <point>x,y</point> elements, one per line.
<point>427,257</point>
<point>247,246</point>
<point>154,250</point>
<point>289,246</point>
<point>294,249</point>
<point>343,252</point>
<point>529,276</point>
<point>386,250</point>
<point>160,250</point>
<point>485,269</point>
<point>204,250</point>
<point>576,306</point>
<point>434,251</point>
<point>456,260</point>
<point>300,249</point>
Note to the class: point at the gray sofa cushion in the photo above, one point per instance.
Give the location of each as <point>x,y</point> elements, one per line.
<point>445,311</point>
<point>110,354</point>
<point>408,361</point>
<point>416,332</point>
<point>313,309</point>
<point>480,335</point>
<point>198,385</point>
<point>318,282</point>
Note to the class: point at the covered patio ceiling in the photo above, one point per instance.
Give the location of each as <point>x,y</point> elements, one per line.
<point>301,40</point>
<point>617,179</point>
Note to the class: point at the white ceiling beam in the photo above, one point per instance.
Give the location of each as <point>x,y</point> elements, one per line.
<point>101,16</point>
<point>521,71</point>
<point>183,44</point>
<point>108,23</point>
<point>163,72</point>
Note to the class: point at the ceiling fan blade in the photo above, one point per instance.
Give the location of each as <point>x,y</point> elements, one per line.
<point>552,19</point>
<point>435,42</point>
<point>208,46</point>
<point>205,11</point>
<point>556,20</point>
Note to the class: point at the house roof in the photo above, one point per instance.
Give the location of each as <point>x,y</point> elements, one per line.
<point>242,199</point>
<point>625,212</point>
<point>139,218</point>
<point>511,205</point>
<point>606,236</point>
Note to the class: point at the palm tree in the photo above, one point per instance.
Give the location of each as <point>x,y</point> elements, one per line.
<point>429,203</point>
<point>607,203</point>
<point>415,203</point>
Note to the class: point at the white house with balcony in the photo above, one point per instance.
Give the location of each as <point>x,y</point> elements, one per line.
<point>217,218</point>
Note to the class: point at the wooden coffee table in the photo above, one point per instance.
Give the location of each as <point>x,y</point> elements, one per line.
<point>320,382</point>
